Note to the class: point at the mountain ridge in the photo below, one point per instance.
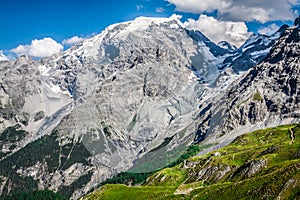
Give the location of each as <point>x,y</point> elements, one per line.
<point>253,97</point>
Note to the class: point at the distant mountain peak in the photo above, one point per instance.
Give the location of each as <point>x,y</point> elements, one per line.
<point>227,45</point>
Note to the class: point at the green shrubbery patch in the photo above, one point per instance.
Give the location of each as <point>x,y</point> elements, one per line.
<point>277,150</point>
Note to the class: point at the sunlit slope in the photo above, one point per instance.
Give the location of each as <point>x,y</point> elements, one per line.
<point>263,164</point>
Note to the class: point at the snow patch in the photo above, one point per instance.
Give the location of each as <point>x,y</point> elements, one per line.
<point>256,54</point>
<point>192,77</point>
<point>44,70</point>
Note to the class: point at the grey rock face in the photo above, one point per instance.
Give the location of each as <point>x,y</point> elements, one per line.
<point>213,174</point>
<point>16,84</point>
<point>249,169</point>
<point>267,95</point>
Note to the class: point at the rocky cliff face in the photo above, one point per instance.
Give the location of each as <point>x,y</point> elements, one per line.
<point>252,52</point>
<point>267,95</point>
<point>135,93</point>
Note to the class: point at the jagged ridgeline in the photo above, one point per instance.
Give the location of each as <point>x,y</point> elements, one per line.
<point>259,165</point>
<point>134,98</point>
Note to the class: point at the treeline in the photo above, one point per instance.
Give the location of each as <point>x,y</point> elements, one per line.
<point>35,195</point>
<point>190,152</point>
<point>129,178</point>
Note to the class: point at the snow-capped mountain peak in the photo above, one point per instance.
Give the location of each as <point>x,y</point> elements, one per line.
<point>90,47</point>
<point>253,51</point>
<point>226,45</point>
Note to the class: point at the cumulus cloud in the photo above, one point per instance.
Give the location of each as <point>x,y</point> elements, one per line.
<point>39,48</point>
<point>72,40</point>
<point>194,6</point>
<point>240,10</point>
<point>269,30</point>
<point>160,10</point>
<point>2,56</point>
<point>233,32</point>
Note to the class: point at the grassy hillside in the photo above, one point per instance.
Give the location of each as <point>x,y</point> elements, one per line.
<point>264,164</point>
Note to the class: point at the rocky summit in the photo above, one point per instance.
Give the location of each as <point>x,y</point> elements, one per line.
<point>137,95</point>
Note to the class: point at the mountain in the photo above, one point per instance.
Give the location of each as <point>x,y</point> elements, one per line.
<point>226,45</point>
<point>72,120</point>
<point>132,98</point>
<point>216,50</point>
<point>267,95</point>
<point>259,165</point>
<point>252,52</point>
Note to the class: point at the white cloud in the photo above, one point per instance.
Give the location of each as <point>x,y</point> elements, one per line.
<point>2,56</point>
<point>194,6</point>
<point>72,40</point>
<point>233,32</point>
<point>240,10</point>
<point>269,30</point>
<point>139,7</point>
<point>39,48</point>
<point>160,10</point>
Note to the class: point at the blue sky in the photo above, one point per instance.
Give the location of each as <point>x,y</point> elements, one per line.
<point>233,20</point>
<point>25,20</point>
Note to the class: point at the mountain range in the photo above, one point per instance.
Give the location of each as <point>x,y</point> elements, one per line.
<point>133,98</point>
